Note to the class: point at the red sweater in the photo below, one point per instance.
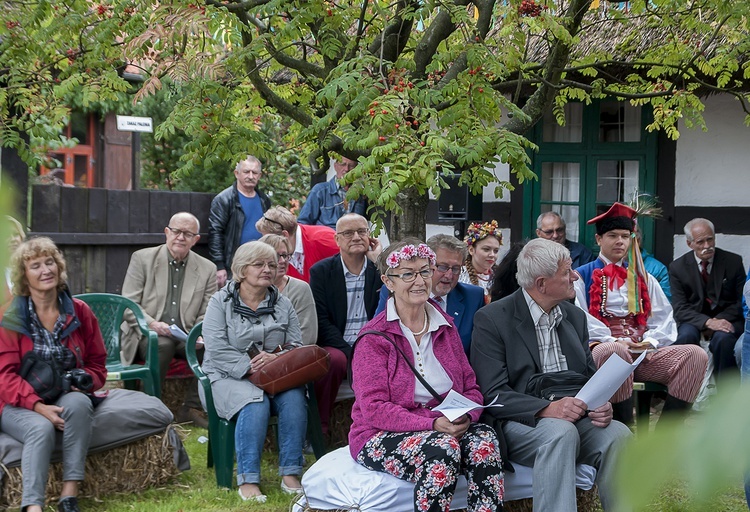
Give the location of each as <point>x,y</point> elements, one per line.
<point>317,244</point>
<point>81,335</point>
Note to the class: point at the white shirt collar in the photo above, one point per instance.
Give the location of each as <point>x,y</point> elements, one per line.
<point>436,318</point>
<point>298,249</point>
<point>348,272</point>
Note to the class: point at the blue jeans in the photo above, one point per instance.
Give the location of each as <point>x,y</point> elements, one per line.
<point>252,425</point>
<point>745,373</point>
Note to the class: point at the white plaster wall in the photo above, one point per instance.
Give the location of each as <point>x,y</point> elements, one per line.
<point>713,166</point>
<point>502,172</point>
<point>739,244</point>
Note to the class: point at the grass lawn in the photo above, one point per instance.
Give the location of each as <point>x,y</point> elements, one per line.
<point>196,491</point>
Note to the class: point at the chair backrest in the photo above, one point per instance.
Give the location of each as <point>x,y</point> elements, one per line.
<point>109,310</point>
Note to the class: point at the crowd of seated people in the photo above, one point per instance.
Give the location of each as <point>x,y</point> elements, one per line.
<point>445,312</point>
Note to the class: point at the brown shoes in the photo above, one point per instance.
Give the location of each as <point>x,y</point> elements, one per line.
<point>187,414</point>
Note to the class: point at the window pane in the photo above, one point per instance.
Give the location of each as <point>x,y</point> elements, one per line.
<point>616,180</point>
<point>619,122</point>
<point>573,129</point>
<point>81,170</point>
<point>79,127</point>
<point>569,213</point>
<point>560,181</point>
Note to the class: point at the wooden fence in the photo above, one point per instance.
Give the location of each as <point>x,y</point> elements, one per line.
<point>98,229</point>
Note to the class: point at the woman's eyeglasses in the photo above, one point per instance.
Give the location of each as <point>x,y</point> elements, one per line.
<point>408,277</point>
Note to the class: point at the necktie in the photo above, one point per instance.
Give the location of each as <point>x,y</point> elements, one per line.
<point>704,271</point>
<point>440,302</point>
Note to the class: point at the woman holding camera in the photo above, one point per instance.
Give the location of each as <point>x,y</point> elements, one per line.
<point>44,319</point>
<point>246,324</point>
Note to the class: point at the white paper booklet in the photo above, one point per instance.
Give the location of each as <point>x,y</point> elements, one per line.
<point>455,405</point>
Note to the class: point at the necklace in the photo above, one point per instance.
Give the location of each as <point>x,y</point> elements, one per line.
<point>425,326</point>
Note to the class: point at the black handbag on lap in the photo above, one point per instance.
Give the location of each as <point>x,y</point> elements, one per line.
<point>44,376</point>
<point>555,385</point>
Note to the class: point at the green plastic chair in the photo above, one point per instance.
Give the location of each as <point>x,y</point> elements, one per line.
<point>221,431</point>
<point>642,393</point>
<point>109,310</point>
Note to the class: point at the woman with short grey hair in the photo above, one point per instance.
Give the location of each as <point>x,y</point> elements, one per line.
<point>246,324</point>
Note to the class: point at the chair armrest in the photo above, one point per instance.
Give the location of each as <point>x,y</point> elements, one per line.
<point>195,365</point>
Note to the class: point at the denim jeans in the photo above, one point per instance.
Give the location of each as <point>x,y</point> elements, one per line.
<point>745,373</point>
<point>252,425</point>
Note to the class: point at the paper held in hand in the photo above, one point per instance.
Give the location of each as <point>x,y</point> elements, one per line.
<point>177,333</point>
<point>455,405</point>
<point>603,384</point>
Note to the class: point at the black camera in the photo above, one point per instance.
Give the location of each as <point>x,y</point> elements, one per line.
<point>77,378</point>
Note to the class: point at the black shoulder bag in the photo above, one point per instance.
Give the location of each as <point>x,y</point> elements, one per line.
<point>421,379</point>
<point>555,385</point>
<point>44,376</point>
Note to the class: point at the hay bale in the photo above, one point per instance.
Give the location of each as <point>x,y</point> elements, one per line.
<point>173,392</point>
<point>339,424</point>
<point>132,468</point>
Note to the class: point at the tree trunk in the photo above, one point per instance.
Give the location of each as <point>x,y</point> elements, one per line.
<point>411,222</point>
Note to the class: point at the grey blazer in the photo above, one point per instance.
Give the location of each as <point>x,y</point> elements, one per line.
<point>505,353</point>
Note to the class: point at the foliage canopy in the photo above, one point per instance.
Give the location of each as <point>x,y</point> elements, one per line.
<point>411,88</point>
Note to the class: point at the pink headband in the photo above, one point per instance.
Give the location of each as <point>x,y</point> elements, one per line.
<point>409,252</point>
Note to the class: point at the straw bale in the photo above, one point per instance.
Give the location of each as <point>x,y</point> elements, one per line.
<point>131,468</point>
<point>339,424</point>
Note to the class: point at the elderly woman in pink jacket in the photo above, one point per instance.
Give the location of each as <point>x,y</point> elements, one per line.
<point>405,362</point>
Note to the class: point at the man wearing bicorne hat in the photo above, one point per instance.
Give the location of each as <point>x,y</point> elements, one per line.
<point>625,306</point>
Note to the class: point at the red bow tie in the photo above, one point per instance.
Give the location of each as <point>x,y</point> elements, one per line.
<point>616,275</point>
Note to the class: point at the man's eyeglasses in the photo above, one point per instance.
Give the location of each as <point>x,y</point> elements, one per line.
<point>443,269</point>
<point>408,277</point>
<point>187,234</point>
<point>349,234</point>
<point>550,232</point>
<point>283,255</point>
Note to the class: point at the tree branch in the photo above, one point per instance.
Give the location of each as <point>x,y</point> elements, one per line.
<point>392,40</point>
<point>553,71</point>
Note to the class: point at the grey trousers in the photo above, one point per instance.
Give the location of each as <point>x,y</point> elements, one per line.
<point>554,447</point>
<point>39,437</point>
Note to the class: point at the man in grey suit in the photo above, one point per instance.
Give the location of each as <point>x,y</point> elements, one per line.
<point>537,330</point>
<point>172,285</point>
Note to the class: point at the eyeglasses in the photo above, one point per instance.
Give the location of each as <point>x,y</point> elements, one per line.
<point>408,277</point>
<point>283,255</point>
<point>260,264</point>
<point>187,234</point>
<point>443,269</point>
<point>550,232</point>
<point>349,234</point>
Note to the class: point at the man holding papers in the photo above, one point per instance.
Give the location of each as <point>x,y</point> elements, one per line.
<point>628,313</point>
<point>172,285</point>
<point>536,330</point>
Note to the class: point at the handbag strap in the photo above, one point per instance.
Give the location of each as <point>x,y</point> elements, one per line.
<point>421,379</point>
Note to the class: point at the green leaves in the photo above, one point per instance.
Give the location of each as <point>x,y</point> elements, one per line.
<point>410,89</point>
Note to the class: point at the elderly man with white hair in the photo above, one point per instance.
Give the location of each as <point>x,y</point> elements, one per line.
<point>537,330</point>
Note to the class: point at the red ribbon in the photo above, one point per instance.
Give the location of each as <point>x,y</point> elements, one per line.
<point>616,275</point>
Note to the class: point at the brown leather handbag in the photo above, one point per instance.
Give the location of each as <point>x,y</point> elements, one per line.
<point>292,369</point>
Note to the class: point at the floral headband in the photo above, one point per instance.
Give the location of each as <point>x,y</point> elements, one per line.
<point>478,231</point>
<point>409,252</point>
